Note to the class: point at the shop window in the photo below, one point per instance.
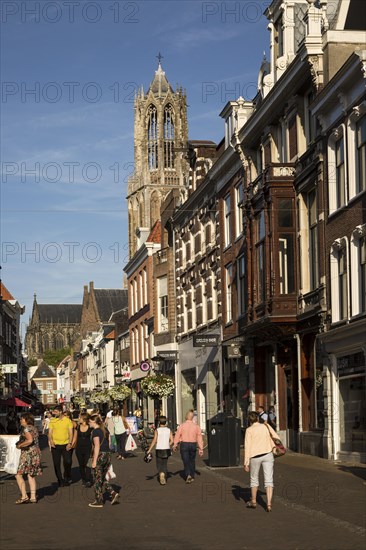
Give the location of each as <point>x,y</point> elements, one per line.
<point>352,404</point>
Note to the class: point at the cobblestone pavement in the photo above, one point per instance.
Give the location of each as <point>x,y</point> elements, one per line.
<point>317,505</point>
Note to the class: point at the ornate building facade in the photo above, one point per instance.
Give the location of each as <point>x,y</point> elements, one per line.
<point>52,326</point>
<point>160,136</point>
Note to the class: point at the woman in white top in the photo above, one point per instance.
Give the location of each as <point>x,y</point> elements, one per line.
<point>163,439</point>
<point>117,426</point>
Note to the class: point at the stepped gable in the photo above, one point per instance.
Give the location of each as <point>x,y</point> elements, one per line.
<point>109,300</point>
<point>60,313</point>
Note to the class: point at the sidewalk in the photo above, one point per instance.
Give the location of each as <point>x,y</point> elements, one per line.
<point>318,505</point>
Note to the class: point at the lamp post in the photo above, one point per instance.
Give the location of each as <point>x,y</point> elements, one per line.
<point>118,378</point>
<point>159,367</point>
<point>106,384</point>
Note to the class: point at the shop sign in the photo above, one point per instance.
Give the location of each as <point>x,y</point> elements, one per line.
<point>168,355</point>
<point>145,366</point>
<point>351,364</point>
<point>9,368</point>
<point>205,340</point>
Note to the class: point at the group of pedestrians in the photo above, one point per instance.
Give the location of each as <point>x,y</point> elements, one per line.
<point>91,439</point>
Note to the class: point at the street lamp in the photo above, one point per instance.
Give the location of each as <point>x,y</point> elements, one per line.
<point>98,387</point>
<point>118,378</point>
<point>106,384</point>
<point>159,362</point>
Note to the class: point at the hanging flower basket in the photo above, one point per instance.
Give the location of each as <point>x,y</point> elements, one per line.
<point>80,401</point>
<point>119,393</point>
<point>157,386</point>
<point>100,397</point>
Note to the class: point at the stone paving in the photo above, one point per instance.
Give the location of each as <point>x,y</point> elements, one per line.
<point>317,505</point>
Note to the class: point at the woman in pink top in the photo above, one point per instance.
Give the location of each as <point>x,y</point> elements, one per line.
<point>258,447</point>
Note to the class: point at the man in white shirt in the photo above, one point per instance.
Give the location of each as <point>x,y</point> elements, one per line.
<point>263,416</point>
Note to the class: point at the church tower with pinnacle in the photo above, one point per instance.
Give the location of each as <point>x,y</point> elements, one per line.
<point>160,145</point>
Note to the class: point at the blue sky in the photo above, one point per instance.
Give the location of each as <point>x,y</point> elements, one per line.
<point>67,148</point>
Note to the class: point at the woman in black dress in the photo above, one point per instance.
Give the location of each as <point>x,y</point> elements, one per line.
<point>83,448</point>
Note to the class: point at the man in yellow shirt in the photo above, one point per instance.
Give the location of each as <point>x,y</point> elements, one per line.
<point>60,435</point>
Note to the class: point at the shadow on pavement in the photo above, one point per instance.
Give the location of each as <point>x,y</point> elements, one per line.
<point>355,470</point>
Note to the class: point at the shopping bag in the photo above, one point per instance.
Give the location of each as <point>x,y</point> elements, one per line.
<point>110,473</point>
<point>13,457</point>
<point>130,444</point>
<point>113,443</point>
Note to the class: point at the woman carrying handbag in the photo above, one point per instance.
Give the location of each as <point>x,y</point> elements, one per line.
<point>259,450</point>
<point>30,459</point>
<point>163,439</point>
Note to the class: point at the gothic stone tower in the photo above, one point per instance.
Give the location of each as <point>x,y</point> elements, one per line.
<point>160,139</point>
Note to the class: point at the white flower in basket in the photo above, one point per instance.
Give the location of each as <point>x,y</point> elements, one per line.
<point>119,393</point>
<point>100,397</point>
<point>157,386</point>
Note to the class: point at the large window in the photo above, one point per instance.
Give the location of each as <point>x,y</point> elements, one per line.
<point>260,254</point>
<point>241,285</point>
<point>361,154</point>
<point>229,292</point>
<point>313,240</point>
<point>286,245</point>
<point>163,304</point>
<point>292,137</point>
<point>340,173</point>
<point>152,137</point>
<point>227,215</point>
<point>342,283</point>
<point>239,197</point>
<point>168,137</point>
<point>362,260</point>
<point>339,279</point>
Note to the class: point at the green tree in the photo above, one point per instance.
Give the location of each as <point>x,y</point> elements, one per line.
<point>53,357</point>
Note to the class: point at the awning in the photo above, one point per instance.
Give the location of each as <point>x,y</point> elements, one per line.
<point>14,402</point>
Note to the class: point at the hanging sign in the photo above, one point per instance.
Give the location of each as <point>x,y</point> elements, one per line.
<point>145,366</point>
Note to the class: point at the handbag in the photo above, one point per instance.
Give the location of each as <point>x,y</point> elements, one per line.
<point>163,453</point>
<point>279,449</point>
<point>89,463</point>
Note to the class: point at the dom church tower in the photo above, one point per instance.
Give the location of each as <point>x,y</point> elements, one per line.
<point>160,140</point>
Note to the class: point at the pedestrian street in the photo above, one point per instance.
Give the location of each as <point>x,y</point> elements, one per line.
<point>316,504</point>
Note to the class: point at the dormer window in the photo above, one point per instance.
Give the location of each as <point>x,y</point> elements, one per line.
<point>278,38</point>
